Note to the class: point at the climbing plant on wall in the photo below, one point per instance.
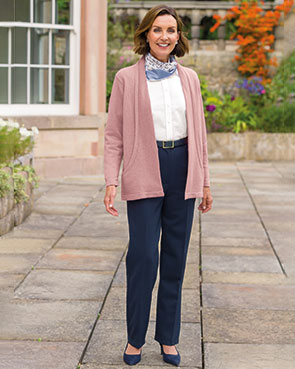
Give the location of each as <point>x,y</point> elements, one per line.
<point>254,35</point>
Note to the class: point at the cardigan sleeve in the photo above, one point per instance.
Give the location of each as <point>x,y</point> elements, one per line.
<point>113,137</point>
<point>204,135</point>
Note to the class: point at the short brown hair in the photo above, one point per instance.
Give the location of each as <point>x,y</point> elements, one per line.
<point>142,47</point>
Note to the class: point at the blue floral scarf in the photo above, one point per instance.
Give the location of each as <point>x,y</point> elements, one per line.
<point>155,69</point>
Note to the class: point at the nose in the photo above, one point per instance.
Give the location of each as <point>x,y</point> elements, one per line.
<point>164,36</point>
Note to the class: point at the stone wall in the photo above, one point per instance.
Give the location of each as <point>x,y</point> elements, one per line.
<point>67,145</point>
<point>251,146</point>
<point>12,214</point>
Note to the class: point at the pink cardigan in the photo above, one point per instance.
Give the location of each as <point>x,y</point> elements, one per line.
<point>129,134</point>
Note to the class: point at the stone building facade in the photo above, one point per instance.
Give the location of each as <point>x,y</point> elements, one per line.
<point>53,70</point>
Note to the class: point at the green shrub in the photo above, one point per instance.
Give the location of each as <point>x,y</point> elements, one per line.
<point>277,118</point>
<point>283,82</point>
<point>13,144</point>
<point>5,183</point>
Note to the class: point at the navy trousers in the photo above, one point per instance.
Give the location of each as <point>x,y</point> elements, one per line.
<point>172,216</point>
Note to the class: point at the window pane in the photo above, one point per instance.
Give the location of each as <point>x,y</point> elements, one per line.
<point>39,86</point>
<point>19,85</point>
<point>3,85</point>
<point>42,11</point>
<point>7,11</point>
<point>60,47</point>
<point>60,86</point>
<point>4,45</point>
<point>22,10</point>
<point>63,11</point>
<point>19,45</point>
<point>39,46</point>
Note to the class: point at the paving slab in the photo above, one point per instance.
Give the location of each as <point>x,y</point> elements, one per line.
<point>241,263</point>
<point>24,246</point>
<point>107,349</point>
<point>45,233</point>
<point>81,259</point>
<point>247,296</point>
<point>230,216</point>
<point>92,243</point>
<point>249,326</point>
<point>62,199</point>
<point>10,280</point>
<point>91,227</point>
<point>120,277</point>
<point>34,354</point>
<point>209,276</point>
<point>237,242</point>
<point>64,285</point>
<point>249,230</point>
<point>245,356</point>
<point>228,250</point>
<point>67,189</point>
<point>57,209</point>
<point>41,221</point>
<point>191,276</point>
<point>115,309</point>
<point>48,320</point>
<point>19,263</point>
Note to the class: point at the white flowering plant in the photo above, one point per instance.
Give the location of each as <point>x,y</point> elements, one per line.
<point>15,141</point>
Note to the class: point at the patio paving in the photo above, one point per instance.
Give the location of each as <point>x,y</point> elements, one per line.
<point>63,287</point>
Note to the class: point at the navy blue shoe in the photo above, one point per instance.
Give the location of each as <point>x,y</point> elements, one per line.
<point>170,359</point>
<point>131,359</point>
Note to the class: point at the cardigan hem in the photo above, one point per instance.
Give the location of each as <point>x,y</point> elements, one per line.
<point>191,195</point>
<point>140,195</point>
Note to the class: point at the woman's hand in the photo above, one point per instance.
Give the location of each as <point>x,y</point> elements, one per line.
<point>207,200</point>
<point>109,199</point>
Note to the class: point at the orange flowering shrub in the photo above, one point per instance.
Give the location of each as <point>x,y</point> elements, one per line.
<point>254,35</point>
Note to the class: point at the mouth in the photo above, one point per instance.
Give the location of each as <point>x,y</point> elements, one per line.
<point>163,46</point>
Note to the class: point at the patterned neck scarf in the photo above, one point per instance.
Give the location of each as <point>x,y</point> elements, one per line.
<point>155,69</point>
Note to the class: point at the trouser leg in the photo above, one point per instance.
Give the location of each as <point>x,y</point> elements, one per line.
<point>144,219</point>
<point>176,219</point>
<point>176,230</point>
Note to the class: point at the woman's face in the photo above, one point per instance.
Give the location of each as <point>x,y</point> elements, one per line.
<point>162,36</point>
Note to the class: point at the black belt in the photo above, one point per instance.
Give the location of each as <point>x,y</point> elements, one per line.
<point>171,144</point>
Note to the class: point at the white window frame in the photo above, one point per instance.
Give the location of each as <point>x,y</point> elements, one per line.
<point>72,108</point>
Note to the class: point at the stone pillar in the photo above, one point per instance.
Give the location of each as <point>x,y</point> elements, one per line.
<point>93,57</point>
<point>141,13</point>
<point>196,19</point>
<point>279,35</point>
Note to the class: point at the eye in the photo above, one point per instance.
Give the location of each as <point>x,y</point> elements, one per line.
<point>171,30</point>
<point>156,30</point>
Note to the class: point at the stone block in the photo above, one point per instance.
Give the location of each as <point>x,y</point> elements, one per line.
<point>92,243</point>
<point>245,356</point>
<point>249,326</point>
<point>32,354</point>
<point>99,260</point>
<point>24,246</point>
<point>247,296</point>
<point>209,276</point>
<point>48,320</point>
<point>241,263</point>
<point>20,263</point>
<point>7,223</point>
<point>64,285</point>
<point>233,230</point>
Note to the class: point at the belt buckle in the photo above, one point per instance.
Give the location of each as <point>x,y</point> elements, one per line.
<point>168,147</point>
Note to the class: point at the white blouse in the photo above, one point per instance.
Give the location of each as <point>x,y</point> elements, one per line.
<point>168,108</point>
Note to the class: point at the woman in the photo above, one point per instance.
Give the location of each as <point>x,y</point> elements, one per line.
<point>156,124</point>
